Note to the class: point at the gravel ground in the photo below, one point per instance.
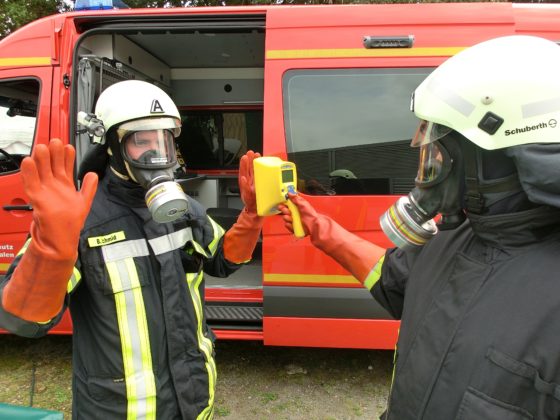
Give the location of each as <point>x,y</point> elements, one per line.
<point>254,381</point>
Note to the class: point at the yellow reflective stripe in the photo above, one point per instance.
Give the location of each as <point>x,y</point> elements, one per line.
<point>388,408</point>
<point>395,359</point>
<point>146,351</point>
<point>375,274</point>
<point>204,343</point>
<point>133,328</point>
<point>24,247</point>
<point>218,233</point>
<point>363,52</point>
<point>25,61</point>
<point>126,345</point>
<point>310,278</point>
<point>74,280</point>
<point>198,248</point>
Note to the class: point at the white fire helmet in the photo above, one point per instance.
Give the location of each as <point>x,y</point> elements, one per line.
<point>135,105</point>
<point>500,93</point>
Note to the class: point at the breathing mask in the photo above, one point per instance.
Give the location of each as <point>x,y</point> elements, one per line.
<point>149,157</point>
<point>439,190</point>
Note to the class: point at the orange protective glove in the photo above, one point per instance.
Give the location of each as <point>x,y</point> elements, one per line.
<point>240,240</point>
<point>355,254</point>
<point>37,287</point>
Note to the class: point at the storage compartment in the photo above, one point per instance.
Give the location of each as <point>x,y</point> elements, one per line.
<point>213,68</point>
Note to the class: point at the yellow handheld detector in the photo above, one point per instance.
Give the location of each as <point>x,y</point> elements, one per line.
<point>274,178</point>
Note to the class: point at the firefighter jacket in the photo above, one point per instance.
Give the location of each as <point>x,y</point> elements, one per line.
<point>141,346</point>
<point>480,315</point>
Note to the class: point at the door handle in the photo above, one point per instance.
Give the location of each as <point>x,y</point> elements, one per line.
<point>26,207</point>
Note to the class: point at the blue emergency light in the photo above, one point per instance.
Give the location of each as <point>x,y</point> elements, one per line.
<point>93,4</point>
<point>99,4</point>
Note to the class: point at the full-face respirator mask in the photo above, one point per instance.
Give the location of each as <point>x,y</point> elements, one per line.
<point>439,190</point>
<point>149,157</point>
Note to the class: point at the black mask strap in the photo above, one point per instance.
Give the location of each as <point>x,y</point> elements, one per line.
<point>475,202</point>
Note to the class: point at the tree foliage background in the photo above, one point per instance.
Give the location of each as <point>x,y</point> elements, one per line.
<point>16,13</point>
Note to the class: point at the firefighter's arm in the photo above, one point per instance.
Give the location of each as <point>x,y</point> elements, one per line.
<point>17,325</point>
<point>361,258</point>
<point>37,287</point>
<point>240,240</point>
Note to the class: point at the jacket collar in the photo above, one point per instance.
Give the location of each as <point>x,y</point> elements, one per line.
<point>506,231</point>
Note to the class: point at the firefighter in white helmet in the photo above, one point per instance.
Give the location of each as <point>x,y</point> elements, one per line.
<point>476,292</point>
<point>127,258</point>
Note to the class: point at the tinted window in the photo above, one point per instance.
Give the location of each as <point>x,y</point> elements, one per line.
<point>217,140</point>
<point>349,130</point>
<point>18,116</point>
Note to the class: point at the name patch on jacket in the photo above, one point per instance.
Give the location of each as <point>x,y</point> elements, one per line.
<point>106,239</point>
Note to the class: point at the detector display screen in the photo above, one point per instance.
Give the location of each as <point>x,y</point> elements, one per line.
<point>287,176</point>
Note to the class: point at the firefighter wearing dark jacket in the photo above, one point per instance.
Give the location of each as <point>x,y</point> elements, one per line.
<point>478,293</point>
<point>127,258</point>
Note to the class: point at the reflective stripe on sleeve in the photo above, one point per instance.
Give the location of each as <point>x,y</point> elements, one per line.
<point>218,233</point>
<point>74,280</point>
<point>24,247</point>
<point>204,343</point>
<point>375,274</point>
<point>133,327</point>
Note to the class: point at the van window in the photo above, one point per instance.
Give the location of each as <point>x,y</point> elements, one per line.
<point>18,117</point>
<point>218,139</point>
<point>349,130</point>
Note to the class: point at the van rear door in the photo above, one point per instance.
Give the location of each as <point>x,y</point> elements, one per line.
<point>24,121</point>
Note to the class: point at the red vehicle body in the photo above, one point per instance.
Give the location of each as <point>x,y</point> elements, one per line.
<point>295,82</point>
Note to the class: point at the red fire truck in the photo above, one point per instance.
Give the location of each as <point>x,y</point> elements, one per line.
<point>326,87</point>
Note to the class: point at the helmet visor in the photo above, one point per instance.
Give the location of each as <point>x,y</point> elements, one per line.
<point>430,165</point>
<point>156,123</point>
<point>428,132</point>
<point>150,149</point>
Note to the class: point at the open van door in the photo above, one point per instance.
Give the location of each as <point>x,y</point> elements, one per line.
<point>25,101</point>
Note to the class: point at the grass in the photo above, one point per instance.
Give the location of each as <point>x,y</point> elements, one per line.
<point>255,381</point>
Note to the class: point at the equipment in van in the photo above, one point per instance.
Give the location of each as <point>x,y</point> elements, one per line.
<point>274,179</point>
<point>93,125</point>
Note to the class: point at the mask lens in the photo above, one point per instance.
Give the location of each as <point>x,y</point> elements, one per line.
<point>428,132</point>
<point>151,148</point>
<point>430,164</point>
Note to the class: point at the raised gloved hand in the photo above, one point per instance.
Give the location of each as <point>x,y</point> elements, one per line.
<point>355,254</point>
<point>240,240</point>
<point>37,287</point>
<point>247,181</point>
